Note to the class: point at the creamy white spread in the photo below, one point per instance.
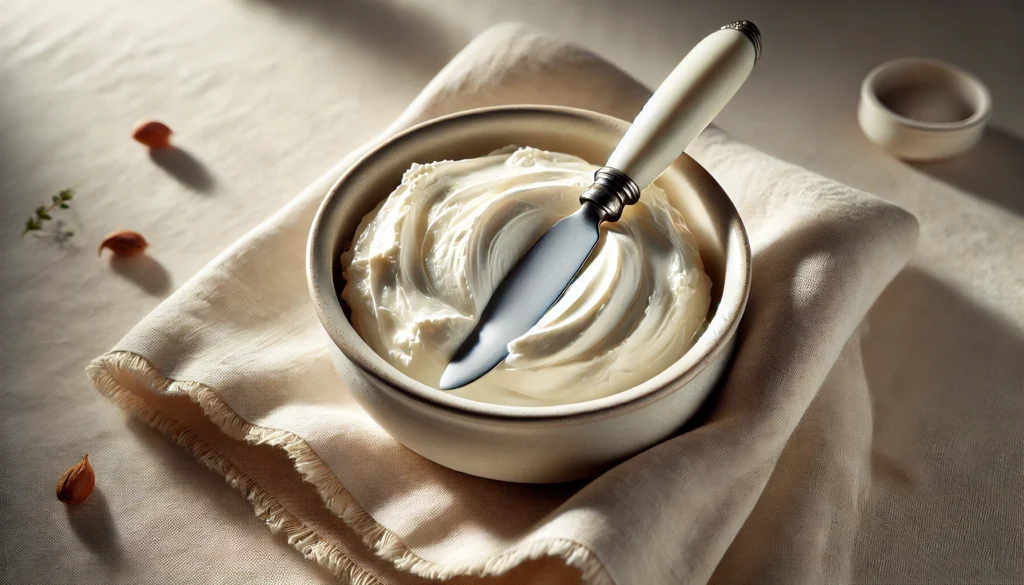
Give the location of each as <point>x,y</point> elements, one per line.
<point>425,262</point>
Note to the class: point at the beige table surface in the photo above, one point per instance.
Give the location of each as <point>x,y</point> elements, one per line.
<point>266,94</point>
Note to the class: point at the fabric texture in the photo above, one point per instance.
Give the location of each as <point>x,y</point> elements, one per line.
<point>768,482</point>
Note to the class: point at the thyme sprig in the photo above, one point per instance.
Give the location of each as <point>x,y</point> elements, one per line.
<point>44,213</point>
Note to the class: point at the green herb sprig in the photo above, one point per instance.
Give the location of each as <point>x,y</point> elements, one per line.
<point>44,213</point>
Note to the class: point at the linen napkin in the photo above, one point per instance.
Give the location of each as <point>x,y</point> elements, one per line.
<point>766,485</point>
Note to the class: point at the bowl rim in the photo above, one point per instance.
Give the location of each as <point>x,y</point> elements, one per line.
<point>326,297</point>
<point>982,110</point>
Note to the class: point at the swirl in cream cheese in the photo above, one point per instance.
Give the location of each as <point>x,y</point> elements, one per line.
<point>425,262</point>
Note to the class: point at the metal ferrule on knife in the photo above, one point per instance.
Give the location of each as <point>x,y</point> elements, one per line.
<point>611,192</point>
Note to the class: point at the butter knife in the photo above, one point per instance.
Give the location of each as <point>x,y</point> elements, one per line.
<point>685,103</point>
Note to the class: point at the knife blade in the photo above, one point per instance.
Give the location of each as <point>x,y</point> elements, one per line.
<point>685,103</point>
<point>532,286</point>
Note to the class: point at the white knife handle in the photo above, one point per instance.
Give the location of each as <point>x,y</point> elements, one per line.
<point>689,98</point>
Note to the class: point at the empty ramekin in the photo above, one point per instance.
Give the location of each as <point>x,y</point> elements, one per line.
<point>923,109</point>
<point>519,443</point>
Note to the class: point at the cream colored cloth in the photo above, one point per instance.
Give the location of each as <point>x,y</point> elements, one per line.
<point>768,485</point>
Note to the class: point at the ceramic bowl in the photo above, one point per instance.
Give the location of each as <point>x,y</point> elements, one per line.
<point>520,443</point>
<point>923,109</point>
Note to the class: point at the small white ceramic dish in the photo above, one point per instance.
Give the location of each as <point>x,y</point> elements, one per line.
<point>923,109</point>
<point>520,443</point>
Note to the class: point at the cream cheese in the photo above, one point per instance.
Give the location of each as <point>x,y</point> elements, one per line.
<point>425,262</point>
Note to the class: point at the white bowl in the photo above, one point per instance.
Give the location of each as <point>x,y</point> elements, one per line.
<point>923,109</point>
<point>520,443</point>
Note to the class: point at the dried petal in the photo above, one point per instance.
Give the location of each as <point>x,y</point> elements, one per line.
<point>77,482</point>
<point>153,134</point>
<point>124,243</point>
